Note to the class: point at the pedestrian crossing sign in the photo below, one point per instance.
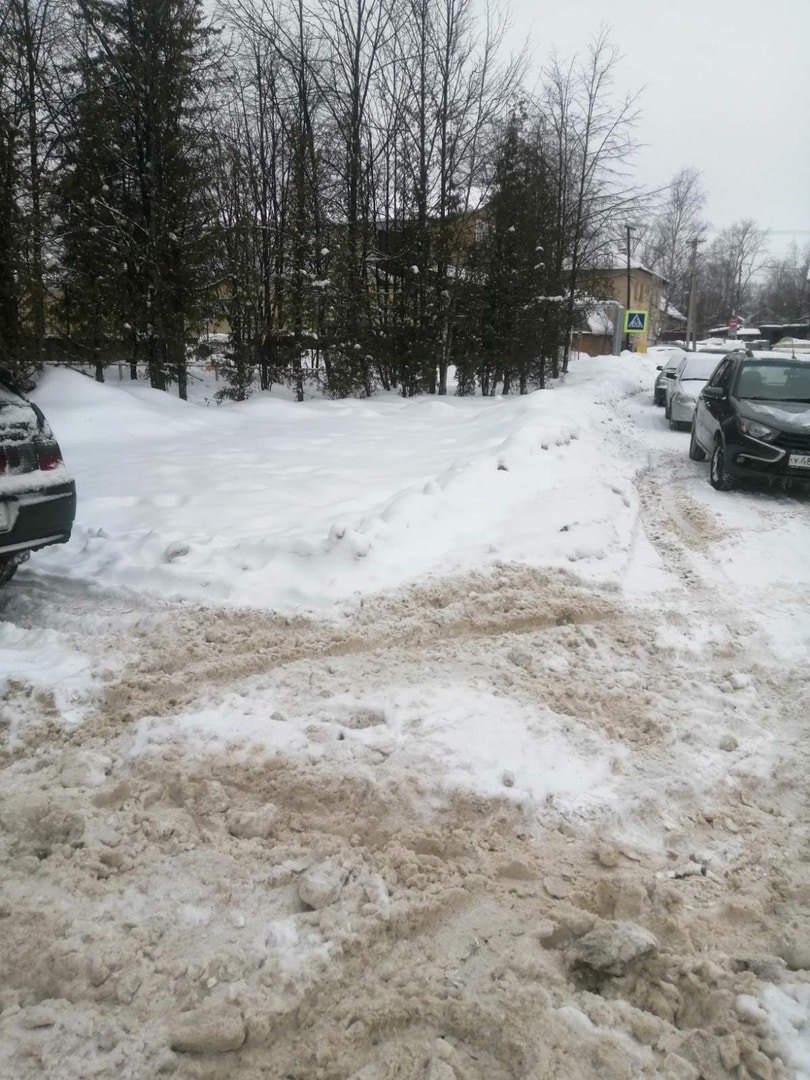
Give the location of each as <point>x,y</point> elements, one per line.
<point>635,322</point>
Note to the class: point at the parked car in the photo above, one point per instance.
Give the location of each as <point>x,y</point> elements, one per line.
<point>753,419</point>
<point>691,375</point>
<point>37,494</point>
<point>666,371</point>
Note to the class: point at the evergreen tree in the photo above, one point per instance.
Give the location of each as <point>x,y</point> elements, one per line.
<point>9,225</point>
<point>147,77</point>
<point>515,304</point>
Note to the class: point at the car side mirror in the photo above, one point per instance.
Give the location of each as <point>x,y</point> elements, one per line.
<point>660,367</point>
<point>713,393</point>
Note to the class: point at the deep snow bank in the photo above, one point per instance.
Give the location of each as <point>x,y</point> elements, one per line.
<point>273,503</point>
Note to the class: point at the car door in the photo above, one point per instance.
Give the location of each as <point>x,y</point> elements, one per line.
<point>711,411</point>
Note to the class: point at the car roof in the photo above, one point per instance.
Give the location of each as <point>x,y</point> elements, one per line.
<point>775,358</point>
<point>778,356</point>
<point>711,362</point>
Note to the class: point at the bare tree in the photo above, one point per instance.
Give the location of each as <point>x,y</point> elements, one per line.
<point>453,90</point>
<point>666,243</point>
<point>728,270</point>
<point>353,33</point>
<point>591,133</point>
<point>32,35</point>
<point>784,293</point>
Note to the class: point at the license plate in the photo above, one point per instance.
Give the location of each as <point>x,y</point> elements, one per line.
<point>799,461</point>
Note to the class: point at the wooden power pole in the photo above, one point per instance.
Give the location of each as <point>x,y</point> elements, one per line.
<point>691,332</point>
<point>627,336</point>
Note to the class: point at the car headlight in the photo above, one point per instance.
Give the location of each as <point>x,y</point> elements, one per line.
<point>755,429</point>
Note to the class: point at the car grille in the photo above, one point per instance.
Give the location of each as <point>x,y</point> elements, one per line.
<point>797,443</point>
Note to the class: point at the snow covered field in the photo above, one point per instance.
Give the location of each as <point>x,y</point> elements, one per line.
<point>431,738</point>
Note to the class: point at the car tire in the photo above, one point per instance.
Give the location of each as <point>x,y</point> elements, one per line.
<point>675,425</point>
<point>719,477</point>
<point>8,568</point>
<point>696,451</point>
<point>667,411</point>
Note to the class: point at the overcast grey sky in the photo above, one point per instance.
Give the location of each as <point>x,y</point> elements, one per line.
<point>726,89</point>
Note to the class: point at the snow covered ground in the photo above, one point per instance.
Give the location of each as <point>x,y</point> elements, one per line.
<point>278,504</point>
<point>430,738</point>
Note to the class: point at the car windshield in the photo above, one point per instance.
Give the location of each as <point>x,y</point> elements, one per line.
<point>699,367</point>
<point>774,382</point>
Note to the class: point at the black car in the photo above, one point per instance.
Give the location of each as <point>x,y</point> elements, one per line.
<point>37,494</point>
<point>753,419</point>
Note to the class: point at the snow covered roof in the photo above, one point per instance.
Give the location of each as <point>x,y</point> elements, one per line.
<point>617,261</point>
<point>786,344</point>
<point>599,322</point>
<point>717,344</point>
<point>670,310</point>
<point>742,331</point>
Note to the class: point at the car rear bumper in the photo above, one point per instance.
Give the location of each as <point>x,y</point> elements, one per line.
<point>37,518</point>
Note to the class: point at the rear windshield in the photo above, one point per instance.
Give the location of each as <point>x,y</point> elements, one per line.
<point>699,367</point>
<point>774,382</point>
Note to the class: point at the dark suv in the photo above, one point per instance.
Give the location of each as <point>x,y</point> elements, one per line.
<point>753,418</point>
<point>37,494</point>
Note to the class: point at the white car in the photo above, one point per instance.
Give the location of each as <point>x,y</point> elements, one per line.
<point>694,371</point>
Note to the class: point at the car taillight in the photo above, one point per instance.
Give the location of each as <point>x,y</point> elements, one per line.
<point>49,455</point>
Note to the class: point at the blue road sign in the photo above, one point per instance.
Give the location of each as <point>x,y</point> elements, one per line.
<point>635,322</point>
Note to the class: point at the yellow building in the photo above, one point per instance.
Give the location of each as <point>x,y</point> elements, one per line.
<point>646,294</point>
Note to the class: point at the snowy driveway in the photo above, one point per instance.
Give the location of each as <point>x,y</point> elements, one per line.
<point>406,739</point>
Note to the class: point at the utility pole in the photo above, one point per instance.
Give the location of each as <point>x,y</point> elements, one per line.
<point>690,315</point>
<point>627,336</point>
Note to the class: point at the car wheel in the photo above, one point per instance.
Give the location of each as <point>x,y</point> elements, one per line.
<point>667,411</point>
<point>719,477</point>
<point>696,451</point>
<point>675,425</point>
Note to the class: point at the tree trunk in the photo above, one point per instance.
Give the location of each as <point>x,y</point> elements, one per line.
<point>182,381</point>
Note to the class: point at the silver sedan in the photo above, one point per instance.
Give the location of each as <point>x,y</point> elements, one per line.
<point>666,372</point>
<point>692,374</point>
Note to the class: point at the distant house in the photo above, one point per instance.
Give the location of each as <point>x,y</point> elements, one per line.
<point>775,331</point>
<point>671,318</point>
<point>596,337</point>
<point>646,292</point>
<point>744,333</point>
